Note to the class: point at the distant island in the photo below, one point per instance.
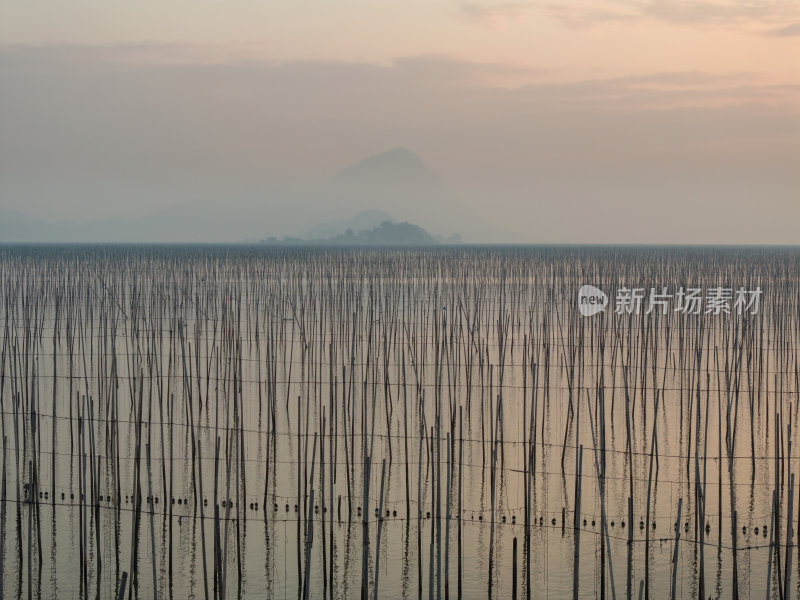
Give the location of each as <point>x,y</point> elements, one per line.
<point>387,233</point>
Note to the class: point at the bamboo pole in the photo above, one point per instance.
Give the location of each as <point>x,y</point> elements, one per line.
<point>152,526</point>
<point>675,550</point>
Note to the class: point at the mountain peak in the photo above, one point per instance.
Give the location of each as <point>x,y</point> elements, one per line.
<point>398,166</point>
<point>398,154</point>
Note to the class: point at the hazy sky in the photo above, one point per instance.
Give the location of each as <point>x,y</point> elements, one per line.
<point>603,121</point>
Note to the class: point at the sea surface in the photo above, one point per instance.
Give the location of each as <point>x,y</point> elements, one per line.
<point>250,422</point>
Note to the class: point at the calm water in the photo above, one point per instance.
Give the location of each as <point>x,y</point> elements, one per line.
<point>288,397</point>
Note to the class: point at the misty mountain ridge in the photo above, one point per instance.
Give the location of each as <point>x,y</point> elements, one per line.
<point>399,167</point>
<point>366,219</point>
<point>388,233</point>
<point>396,181</point>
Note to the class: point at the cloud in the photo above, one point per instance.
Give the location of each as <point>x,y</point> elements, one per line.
<point>493,14</point>
<point>580,14</point>
<point>717,12</point>
<point>792,30</point>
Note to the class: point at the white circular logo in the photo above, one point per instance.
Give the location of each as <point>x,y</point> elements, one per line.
<point>591,300</point>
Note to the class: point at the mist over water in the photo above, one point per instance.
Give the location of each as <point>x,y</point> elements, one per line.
<point>262,422</point>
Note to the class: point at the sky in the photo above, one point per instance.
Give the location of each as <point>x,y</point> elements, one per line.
<point>604,121</point>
